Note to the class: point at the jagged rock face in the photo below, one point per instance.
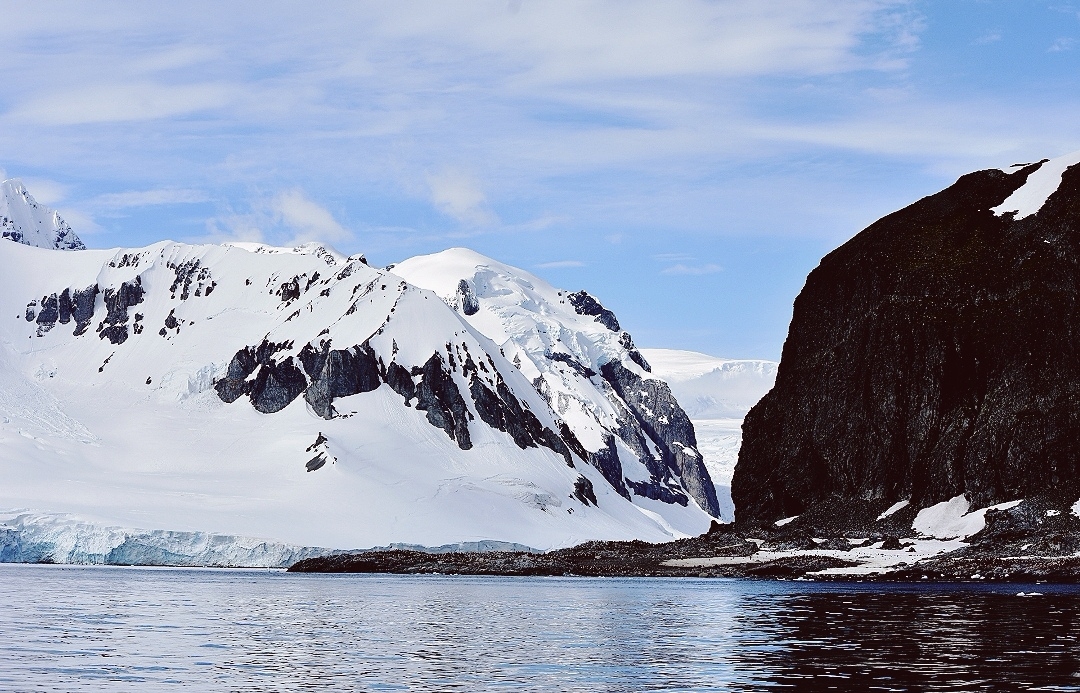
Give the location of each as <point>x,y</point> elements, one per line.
<point>628,425</point>
<point>937,353</point>
<point>659,416</point>
<point>585,304</point>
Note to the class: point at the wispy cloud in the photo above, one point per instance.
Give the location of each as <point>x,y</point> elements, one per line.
<point>47,192</point>
<point>1061,45</point>
<point>458,195</point>
<point>143,198</point>
<point>288,218</point>
<point>307,219</point>
<point>682,269</point>
<point>559,264</point>
<point>120,102</point>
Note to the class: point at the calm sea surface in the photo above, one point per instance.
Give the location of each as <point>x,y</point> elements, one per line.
<point>135,629</point>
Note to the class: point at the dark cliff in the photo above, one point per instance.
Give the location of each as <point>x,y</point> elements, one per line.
<point>935,353</point>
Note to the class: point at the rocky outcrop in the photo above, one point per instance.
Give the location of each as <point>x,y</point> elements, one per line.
<point>658,415</point>
<point>62,308</point>
<point>117,301</point>
<point>467,298</point>
<point>934,354</point>
<point>324,374</point>
<point>584,304</point>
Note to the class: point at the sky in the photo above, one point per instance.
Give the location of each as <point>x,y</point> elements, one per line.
<point>688,162</point>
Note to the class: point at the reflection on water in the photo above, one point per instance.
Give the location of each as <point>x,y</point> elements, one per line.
<point>65,628</point>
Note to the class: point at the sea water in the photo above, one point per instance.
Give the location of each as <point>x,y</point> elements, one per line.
<point>139,629</point>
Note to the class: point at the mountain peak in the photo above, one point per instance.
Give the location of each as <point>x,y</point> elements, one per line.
<point>24,220</point>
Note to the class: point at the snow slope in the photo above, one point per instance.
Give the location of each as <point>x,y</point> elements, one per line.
<point>716,393</point>
<point>1040,185</point>
<point>23,220</point>
<point>303,397</point>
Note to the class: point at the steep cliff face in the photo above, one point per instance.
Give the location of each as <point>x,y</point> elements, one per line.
<point>935,354</point>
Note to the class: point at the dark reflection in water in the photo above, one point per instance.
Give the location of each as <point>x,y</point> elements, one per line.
<point>147,630</point>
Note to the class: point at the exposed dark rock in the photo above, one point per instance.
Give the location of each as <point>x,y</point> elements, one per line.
<point>584,304</point>
<point>82,308</point>
<point>276,385</point>
<point>316,462</point>
<point>502,410</point>
<point>319,440</point>
<point>189,273</point>
<point>664,421</point>
<point>289,290</point>
<point>117,301</point>
<point>49,313</point>
<point>627,343</point>
<point>65,306</point>
<point>934,354</point>
<point>606,460</point>
<point>569,360</point>
<point>399,379</point>
<point>438,395</point>
<point>583,491</point>
<point>469,304</point>
<point>244,362</point>
<point>338,373</point>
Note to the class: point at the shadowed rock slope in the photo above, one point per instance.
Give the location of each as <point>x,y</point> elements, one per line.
<point>936,353</point>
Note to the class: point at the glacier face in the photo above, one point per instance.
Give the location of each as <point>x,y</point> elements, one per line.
<point>252,391</point>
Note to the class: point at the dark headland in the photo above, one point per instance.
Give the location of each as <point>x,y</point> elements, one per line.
<point>935,356</point>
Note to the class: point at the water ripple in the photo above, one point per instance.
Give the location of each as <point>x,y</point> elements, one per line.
<point>129,629</point>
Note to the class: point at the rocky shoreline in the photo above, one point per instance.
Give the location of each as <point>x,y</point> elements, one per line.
<point>724,552</point>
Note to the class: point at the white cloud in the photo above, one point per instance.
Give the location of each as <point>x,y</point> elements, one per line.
<point>458,195</point>
<point>307,219</point>
<point>120,102</point>
<point>144,198</point>
<point>81,223</point>
<point>1061,45</point>
<point>559,264</point>
<point>682,269</point>
<point>47,192</point>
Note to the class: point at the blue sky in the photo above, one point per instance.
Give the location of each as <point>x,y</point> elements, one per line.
<point>687,162</point>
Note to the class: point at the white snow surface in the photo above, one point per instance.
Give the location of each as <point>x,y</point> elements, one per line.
<point>894,508</point>
<point>134,435</point>
<point>1040,185</point>
<point>951,520</point>
<point>709,387</point>
<point>529,320</point>
<point>24,220</point>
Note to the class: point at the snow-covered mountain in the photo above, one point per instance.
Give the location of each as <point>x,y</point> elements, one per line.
<point>716,393</point>
<point>586,368</point>
<point>309,398</point>
<point>23,220</point>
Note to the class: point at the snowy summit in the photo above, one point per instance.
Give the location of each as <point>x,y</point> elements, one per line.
<point>23,220</point>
